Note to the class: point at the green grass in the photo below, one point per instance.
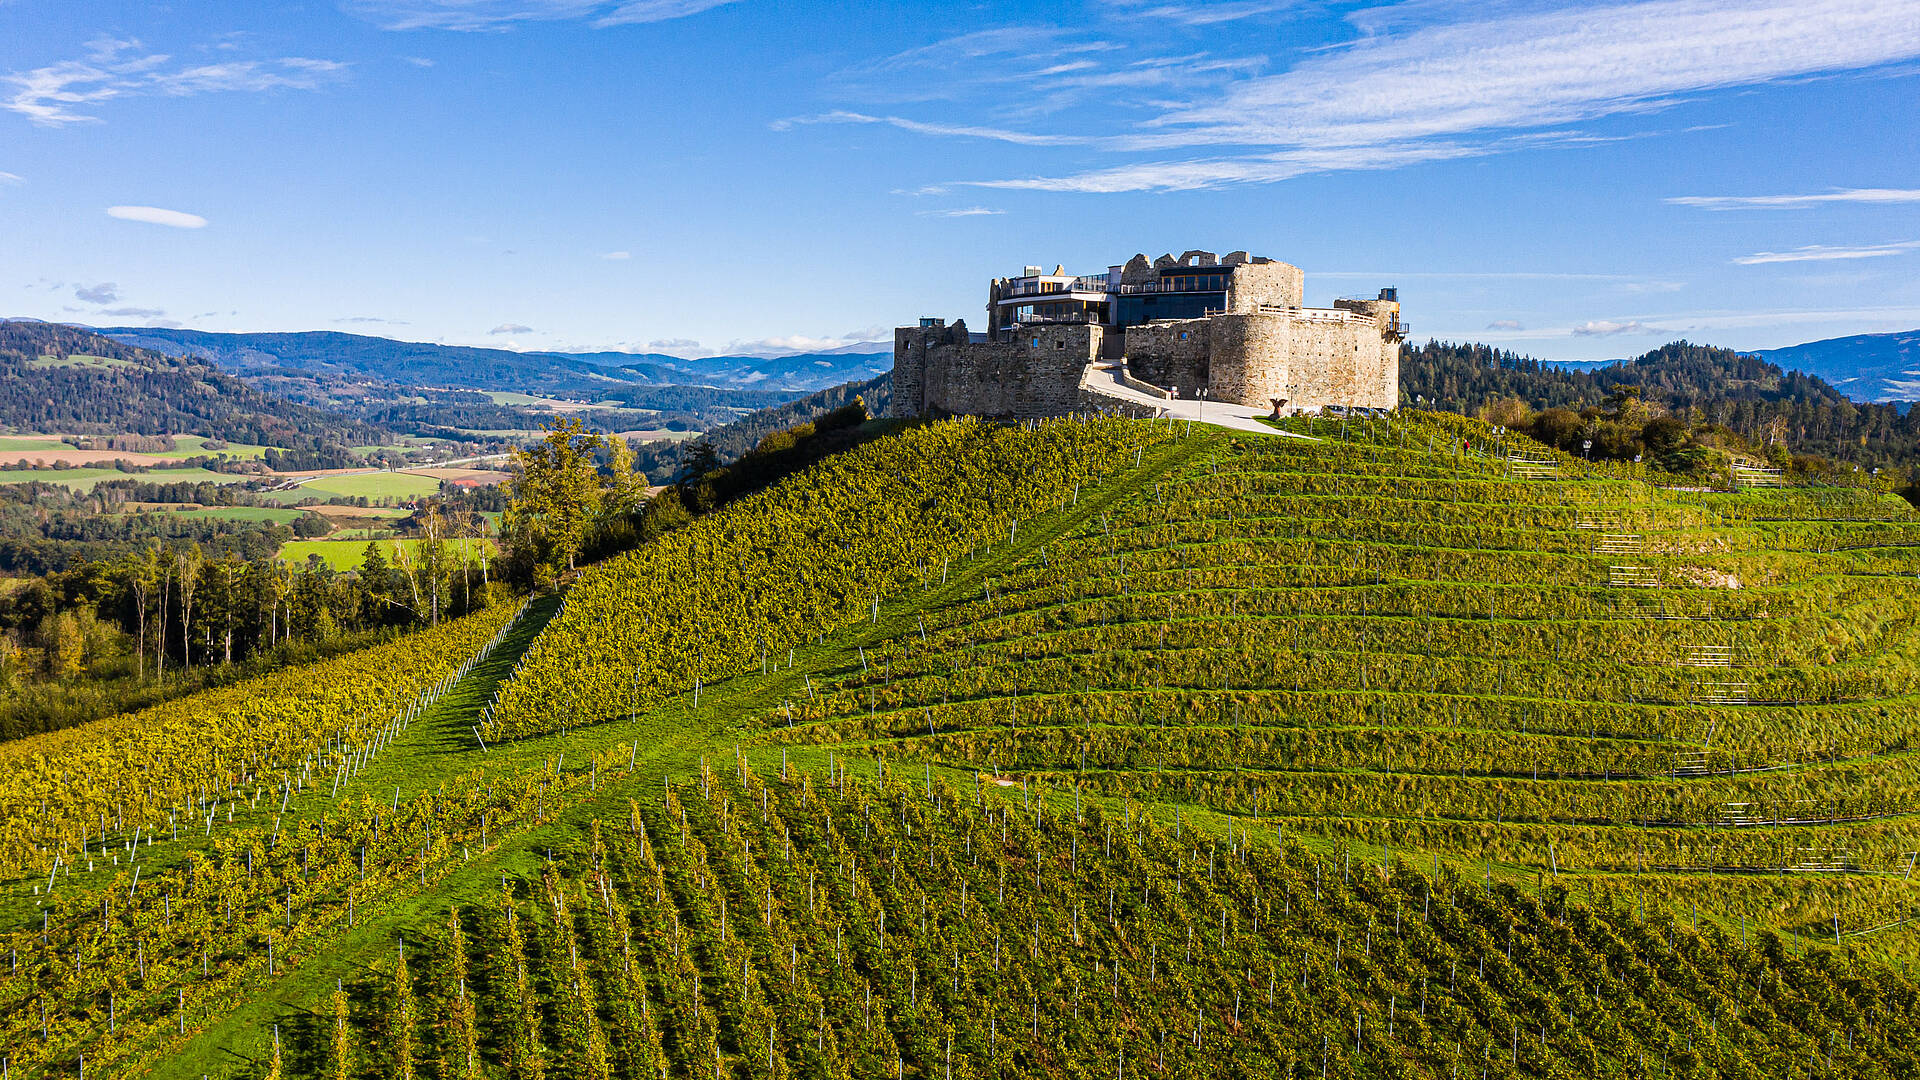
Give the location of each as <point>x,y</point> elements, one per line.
<point>372,485</point>
<point>32,442</point>
<point>82,360</point>
<point>85,478</point>
<point>186,446</point>
<point>347,554</point>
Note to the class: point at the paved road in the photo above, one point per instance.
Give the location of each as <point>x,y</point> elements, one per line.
<point>1105,381</point>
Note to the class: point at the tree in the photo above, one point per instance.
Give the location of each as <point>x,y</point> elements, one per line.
<point>190,563</point>
<point>142,573</point>
<point>376,576</point>
<point>556,498</point>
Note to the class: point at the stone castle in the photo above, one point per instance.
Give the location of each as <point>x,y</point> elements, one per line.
<point>1230,329</point>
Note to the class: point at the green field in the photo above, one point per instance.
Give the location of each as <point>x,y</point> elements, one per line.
<point>32,442</point>
<point>347,554</point>
<point>82,360</point>
<point>373,485</point>
<point>1091,748</point>
<point>84,478</point>
<point>186,446</point>
<point>280,514</point>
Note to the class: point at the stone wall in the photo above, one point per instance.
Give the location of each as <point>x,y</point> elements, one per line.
<point>1174,355</point>
<point>1036,375</point>
<point>1276,284</point>
<point>1334,363</point>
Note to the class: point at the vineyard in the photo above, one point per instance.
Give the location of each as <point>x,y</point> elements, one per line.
<point>1086,747</point>
<point>1397,638</point>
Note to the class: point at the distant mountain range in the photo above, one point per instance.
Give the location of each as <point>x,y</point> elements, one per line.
<point>58,378</point>
<point>1865,367</point>
<point>359,357</point>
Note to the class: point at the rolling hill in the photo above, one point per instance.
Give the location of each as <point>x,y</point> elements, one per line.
<point>1074,748</point>
<point>70,380</point>
<point>1868,367</point>
<point>423,364</point>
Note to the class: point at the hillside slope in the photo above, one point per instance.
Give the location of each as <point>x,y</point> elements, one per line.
<point>70,380</point>
<point>1067,749</point>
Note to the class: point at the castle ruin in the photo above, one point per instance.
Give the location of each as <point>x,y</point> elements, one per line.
<point>1230,329</point>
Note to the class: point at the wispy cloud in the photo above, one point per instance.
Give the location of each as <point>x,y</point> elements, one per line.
<point>1826,253</point>
<point>1201,13</point>
<point>358,320</point>
<point>104,293</point>
<point>959,212</point>
<point>1038,69</point>
<point>1505,324</point>
<point>511,328</point>
<point>1610,328</point>
<point>61,94</point>
<point>132,312</point>
<point>474,15</point>
<point>920,127</point>
<point>1799,202</point>
<point>1437,81</point>
<point>154,215</point>
<point>617,256</point>
<point>7,178</point>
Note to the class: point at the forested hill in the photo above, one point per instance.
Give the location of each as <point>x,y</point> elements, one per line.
<point>1740,391</point>
<point>70,380</point>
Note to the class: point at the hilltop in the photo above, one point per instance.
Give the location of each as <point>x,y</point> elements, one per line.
<point>71,380</point>
<point>1049,749</point>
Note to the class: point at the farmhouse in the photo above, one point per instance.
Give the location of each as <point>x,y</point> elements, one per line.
<point>1230,329</point>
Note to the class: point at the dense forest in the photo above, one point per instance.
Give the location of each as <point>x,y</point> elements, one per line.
<point>664,460</point>
<point>1701,391</point>
<point>134,391</point>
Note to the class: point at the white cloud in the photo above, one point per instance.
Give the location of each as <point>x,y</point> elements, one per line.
<point>472,15</point>
<point>617,256</point>
<point>1505,324</point>
<point>104,293</point>
<point>1445,80</point>
<point>511,328</point>
<point>1609,328</point>
<point>54,95</point>
<point>960,212</point>
<point>1199,14</point>
<point>154,215</point>
<point>968,131</point>
<point>652,11</point>
<point>12,178</point>
<point>1825,253</point>
<point>1883,196</point>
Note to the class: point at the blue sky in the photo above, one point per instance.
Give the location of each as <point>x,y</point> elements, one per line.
<point>1573,181</point>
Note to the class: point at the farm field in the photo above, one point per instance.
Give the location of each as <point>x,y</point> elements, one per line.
<point>282,515</point>
<point>1069,749</point>
<point>82,360</point>
<point>84,478</point>
<point>347,553</point>
<point>355,485</point>
<point>50,449</point>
